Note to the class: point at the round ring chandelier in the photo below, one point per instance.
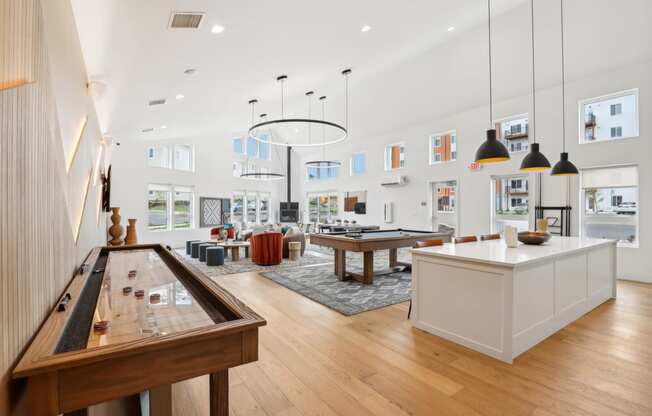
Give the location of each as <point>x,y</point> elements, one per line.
<point>296,131</point>
<point>323,163</point>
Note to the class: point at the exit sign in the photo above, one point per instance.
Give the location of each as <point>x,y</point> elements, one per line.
<point>475,166</point>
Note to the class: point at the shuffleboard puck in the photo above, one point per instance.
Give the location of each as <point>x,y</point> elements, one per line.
<point>101,325</point>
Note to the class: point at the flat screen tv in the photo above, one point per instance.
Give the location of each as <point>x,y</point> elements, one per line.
<point>360,208</point>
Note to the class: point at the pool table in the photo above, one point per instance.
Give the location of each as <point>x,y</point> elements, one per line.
<point>369,241</point>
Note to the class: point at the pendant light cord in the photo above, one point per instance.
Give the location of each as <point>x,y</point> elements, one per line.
<point>346,101</point>
<point>534,100</point>
<point>323,128</point>
<point>282,103</point>
<point>491,112</point>
<point>563,80</point>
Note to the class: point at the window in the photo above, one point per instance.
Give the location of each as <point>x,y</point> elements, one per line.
<point>446,196</point>
<point>178,157</point>
<point>322,207</point>
<point>169,207</point>
<point>610,204</point>
<point>252,204</point>
<point>183,208</point>
<point>238,145</point>
<point>158,156</point>
<point>257,205</point>
<point>319,173</point>
<point>616,131</point>
<point>264,208</point>
<point>510,202</point>
<point>358,164</point>
<point>513,132</point>
<point>394,157</point>
<point>443,147</point>
<point>237,207</point>
<point>610,117</point>
<point>183,157</point>
<point>252,148</point>
<point>158,200</point>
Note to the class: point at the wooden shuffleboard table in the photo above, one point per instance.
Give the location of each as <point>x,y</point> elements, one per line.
<point>368,241</point>
<point>115,333</point>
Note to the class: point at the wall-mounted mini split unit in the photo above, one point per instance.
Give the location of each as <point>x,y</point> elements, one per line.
<point>159,101</point>
<point>186,20</point>
<point>388,212</point>
<point>397,181</point>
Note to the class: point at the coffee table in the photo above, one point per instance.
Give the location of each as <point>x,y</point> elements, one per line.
<point>234,246</point>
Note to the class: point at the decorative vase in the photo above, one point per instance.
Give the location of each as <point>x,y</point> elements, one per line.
<point>116,229</point>
<point>131,238</point>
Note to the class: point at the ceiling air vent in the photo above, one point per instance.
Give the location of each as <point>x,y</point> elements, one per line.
<point>186,20</point>
<point>149,130</point>
<point>159,101</point>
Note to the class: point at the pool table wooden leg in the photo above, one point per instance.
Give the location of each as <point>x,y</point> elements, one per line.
<point>340,264</point>
<point>368,271</point>
<point>393,257</point>
<point>219,393</point>
<point>235,253</point>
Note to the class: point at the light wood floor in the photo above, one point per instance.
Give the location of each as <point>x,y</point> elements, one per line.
<point>314,361</point>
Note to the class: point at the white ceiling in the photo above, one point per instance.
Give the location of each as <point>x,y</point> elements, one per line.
<point>402,68</point>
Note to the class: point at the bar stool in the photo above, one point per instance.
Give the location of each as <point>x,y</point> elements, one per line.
<point>202,250</point>
<point>188,248</point>
<point>214,256</point>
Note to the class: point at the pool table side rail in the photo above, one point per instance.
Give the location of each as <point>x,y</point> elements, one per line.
<point>341,241</point>
<point>40,358</point>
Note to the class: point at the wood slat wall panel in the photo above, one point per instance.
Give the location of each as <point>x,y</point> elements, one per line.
<point>38,253</point>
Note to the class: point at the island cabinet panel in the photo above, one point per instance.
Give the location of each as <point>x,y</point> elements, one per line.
<point>502,301</point>
<point>530,311</point>
<point>570,282</point>
<point>477,317</point>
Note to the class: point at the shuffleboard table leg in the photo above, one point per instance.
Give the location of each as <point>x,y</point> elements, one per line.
<point>219,393</point>
<point>235,253</point>
<point>43,395</point>
<point>368,265</point>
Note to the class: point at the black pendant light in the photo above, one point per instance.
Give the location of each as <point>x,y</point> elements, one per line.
<point>491,150</point>
<point>534,161</point>
<point>564,167</point>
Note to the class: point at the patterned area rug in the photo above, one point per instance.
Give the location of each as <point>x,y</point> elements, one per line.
<point>246,265</point>
<point>320,284</point>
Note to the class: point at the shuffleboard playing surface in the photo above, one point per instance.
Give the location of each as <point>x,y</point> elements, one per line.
<point>133,318</point>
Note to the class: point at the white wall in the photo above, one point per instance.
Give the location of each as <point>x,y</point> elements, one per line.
<point>213,177</point>
<point>474,187</point>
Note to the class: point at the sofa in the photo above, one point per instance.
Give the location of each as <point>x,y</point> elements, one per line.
<point>293,234</point>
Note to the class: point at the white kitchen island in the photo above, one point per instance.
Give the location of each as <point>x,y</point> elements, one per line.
<point>502,301</point>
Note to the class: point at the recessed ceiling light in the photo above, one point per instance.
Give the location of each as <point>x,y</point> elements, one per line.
<point>365,28</point>
<point>217,29</point>
<point>180,96</point>
<point>451,28</point>
<point>164,126</point>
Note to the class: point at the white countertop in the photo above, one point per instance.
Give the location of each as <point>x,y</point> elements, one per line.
<point>496,252</point>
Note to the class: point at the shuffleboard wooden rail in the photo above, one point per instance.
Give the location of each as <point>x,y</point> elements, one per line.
<point>184,326</point>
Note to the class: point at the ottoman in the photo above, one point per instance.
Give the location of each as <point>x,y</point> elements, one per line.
<point>188,248</point>
<point>214,256</point>
<point>267,248</point>
<point>202,250</point>
<point>194,249</point>
<point>294,250</point>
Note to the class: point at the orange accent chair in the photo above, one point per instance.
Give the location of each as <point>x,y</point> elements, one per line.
<point>267,248</point>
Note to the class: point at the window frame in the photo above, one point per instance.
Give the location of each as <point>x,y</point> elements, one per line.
<point>259,196</point>
<point>318,195</point>
<point>352,164</point>
<point>388,147</point>
<point>170,201</point>
<point>170,159</point>
<point>494,216</point>
<point>436,137</point>
<point>583,207</point>
<point>505,141</point>
<point>581,116</point>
